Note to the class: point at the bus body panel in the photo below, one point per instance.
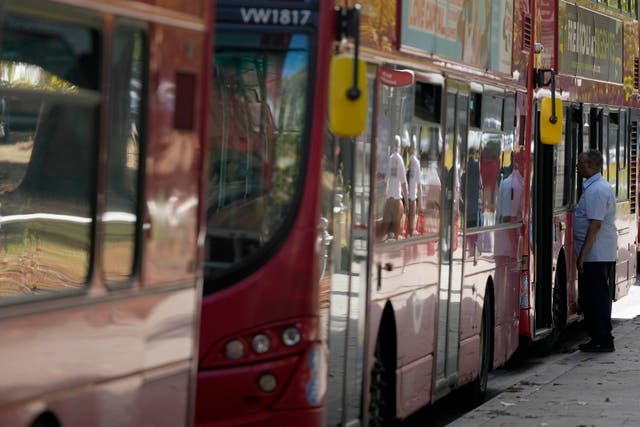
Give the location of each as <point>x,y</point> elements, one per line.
<point>492,260</point>
<point>133,352</point>
<point>124,353</point>
<point>173,162</point>
<point>407,282</point>
<point>295,280</point>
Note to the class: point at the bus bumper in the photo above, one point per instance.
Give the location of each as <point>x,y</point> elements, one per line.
<point>232,396</point>
<point>313,417</point>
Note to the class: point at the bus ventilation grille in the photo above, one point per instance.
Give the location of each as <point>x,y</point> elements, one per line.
<point>526,31</point>
<point>634,165</point>
<point>636,73</point>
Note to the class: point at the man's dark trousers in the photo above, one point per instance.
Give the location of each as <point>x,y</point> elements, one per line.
<point>595,284</point>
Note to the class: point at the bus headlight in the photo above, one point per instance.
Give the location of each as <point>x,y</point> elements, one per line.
<point>261,343</point>
<point>234,350</point>
<point>267,383</point>
<point>291,336</point>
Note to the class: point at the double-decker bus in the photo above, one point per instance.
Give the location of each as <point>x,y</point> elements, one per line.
<point>441,262</point>
<point>426,210</point>
<point>594,54</point>
<point>101,122</point>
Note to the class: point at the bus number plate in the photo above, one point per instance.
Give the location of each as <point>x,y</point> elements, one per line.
<point>254,15</point>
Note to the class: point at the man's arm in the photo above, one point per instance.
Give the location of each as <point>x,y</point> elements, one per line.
<point>592,232</point>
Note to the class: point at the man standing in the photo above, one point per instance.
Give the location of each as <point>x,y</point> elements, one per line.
<point>595,235</point>
<point>414,180</point>
<point>396,193</point>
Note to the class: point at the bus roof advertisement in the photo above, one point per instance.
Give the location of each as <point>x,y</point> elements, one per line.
<point>478,33</point>
<point>590,44</point>
<point>546,32</point>
<point>378,25</point>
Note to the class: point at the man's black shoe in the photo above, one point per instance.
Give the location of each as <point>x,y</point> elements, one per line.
<point>594,347</point>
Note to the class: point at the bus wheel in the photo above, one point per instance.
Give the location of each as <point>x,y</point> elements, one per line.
<point>477,390</point>
<point>381,392</point>
<point>46,419</point>
<point>559,304</point>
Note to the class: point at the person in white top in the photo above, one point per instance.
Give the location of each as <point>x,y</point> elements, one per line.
<point>396,192</point>
<point>414,178</point>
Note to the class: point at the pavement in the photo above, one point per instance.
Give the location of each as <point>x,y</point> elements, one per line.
<point>579,389</point>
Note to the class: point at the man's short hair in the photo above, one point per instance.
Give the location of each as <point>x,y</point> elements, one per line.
<point>595,157</point>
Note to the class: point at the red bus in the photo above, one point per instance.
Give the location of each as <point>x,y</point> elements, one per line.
<point>100,187</point>
<point>426,210</point>
<point>425,293</point>
<point>262,360</point>
<point>599,93</point>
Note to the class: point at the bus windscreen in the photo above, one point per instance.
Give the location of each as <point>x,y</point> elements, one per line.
<point>257,121</point>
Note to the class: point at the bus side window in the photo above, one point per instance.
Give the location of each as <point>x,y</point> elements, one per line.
<point>126,133</point>
<point>50,78</point>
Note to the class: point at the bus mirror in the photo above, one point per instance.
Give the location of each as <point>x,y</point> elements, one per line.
<point>347,110</point>
<point>551,121</point>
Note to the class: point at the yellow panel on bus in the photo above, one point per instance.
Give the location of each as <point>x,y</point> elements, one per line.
<point>550,128</point>
<point>347,117</point>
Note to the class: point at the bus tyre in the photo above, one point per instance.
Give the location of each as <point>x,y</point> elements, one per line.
<point>559,313</point>
<point>477,390</point>
<point>381,392</point>
<point>46,419</point>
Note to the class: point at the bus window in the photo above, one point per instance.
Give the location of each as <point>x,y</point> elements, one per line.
<point>128,64</point>
<point>491,113</point>
<point>429,147</point>
<point>490,165</point>
<point>613,159</point>
<point>610,145</point>
<point>623,171</point>
<point>258,122</point>
<point>472,180</point>
<point>396,101</point>
<point>509,113</point>
<point>562,167</point>
<point>50,78</point>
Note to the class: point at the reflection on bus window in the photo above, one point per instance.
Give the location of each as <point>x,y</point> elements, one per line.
<point>430,204</point>
<point>49,81</point>
<point>425,175</point>
<point>490,165</point>
<point>623,170</point>
<point>611,155</point>
<point>472,181</point>
<point>395,97</point>
<point>257,124</point>
<point>123,158</point>
<point>559,157</point>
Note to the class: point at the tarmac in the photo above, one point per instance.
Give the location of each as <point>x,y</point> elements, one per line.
<point>579,390</point>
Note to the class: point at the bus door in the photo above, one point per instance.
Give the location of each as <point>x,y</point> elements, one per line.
<point>345,276</point>
<point>542,230</point>
<point>554,193</point>
<point>451,250</point>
